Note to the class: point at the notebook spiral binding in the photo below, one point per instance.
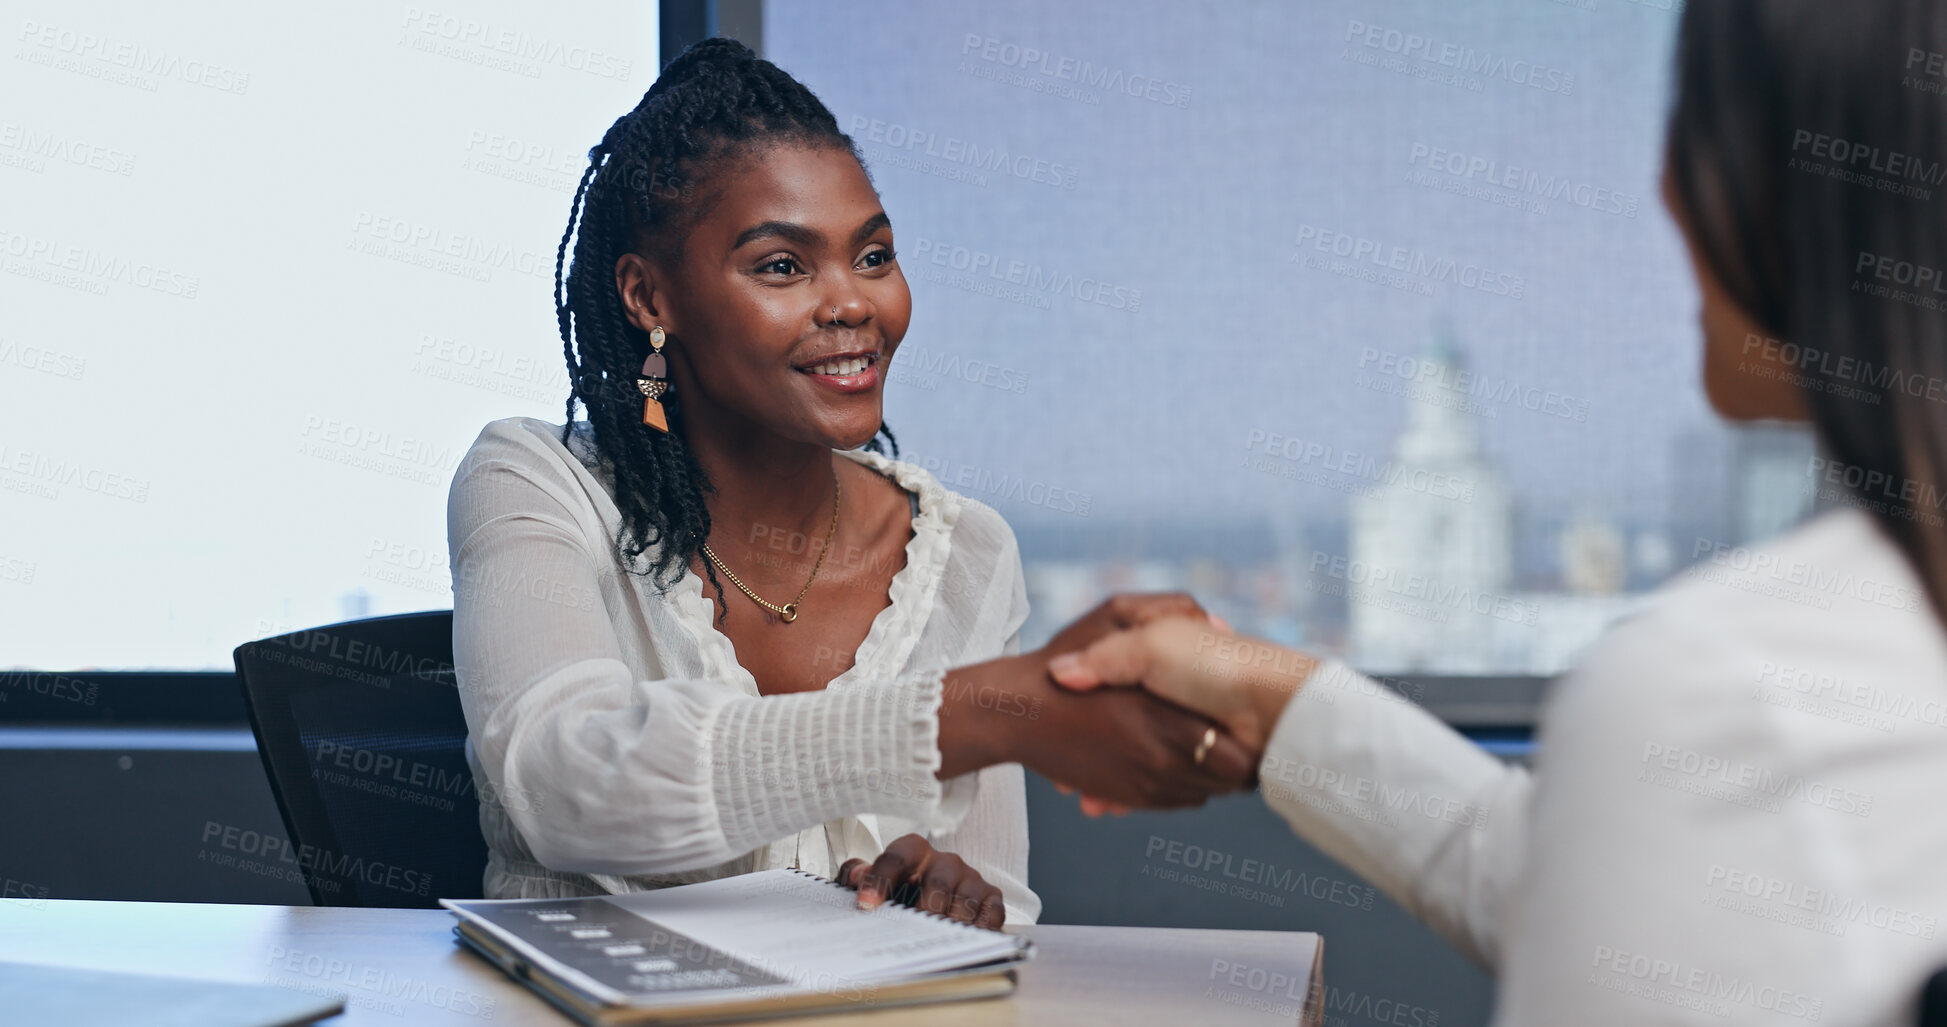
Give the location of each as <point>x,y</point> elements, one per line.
<point>907,904</point>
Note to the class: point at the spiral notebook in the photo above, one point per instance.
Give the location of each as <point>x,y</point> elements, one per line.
<point>774,943</point>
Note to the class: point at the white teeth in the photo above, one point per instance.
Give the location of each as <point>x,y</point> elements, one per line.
<point>841,368</point>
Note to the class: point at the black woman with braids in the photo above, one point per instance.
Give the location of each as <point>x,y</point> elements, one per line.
<point>706,631</point>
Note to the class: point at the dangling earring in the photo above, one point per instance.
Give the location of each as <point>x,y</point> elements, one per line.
<point>654,383</point>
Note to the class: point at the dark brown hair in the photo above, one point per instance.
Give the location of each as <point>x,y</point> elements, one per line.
<point>1806,152</point>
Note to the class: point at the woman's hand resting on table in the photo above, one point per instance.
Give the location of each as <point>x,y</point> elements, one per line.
<point>913,872</point>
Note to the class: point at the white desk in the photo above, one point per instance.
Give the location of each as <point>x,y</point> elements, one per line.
<point>401,967</point>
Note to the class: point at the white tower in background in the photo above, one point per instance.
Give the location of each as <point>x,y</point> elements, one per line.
<point>1595,557</point>
<point>1432,548</point>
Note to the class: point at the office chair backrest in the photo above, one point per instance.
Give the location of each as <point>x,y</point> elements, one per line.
<point>360,730</point>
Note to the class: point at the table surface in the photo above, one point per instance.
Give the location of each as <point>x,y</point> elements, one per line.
<point>403,967</point>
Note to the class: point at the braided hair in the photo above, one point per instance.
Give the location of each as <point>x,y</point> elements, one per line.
<point>711,104</point>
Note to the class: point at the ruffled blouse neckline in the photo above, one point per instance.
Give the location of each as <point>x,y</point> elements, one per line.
<point>895,630</point>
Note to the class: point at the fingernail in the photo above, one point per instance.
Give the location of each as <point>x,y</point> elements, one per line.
<point>869,897</point>
<point>1067,669</point>
<point>1220,624</point>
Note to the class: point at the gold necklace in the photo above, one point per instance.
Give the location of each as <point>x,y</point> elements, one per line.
<point>789,611</point>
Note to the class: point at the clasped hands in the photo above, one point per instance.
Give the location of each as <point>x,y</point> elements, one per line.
<point>1150,747</point>
<point>1196,727</point>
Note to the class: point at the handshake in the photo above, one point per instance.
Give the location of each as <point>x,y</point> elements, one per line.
<point>1197,726</point>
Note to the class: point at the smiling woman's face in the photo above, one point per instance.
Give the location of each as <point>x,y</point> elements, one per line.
<point>785,304</point>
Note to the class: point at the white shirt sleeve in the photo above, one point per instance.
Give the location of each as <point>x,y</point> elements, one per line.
<point>1384,787</point>
<point>618,775</point>
<point>1735,817</point>
<point>993,838</point>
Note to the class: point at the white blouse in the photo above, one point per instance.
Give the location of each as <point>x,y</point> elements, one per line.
<point>1736,815</point>
<point>619,744</point>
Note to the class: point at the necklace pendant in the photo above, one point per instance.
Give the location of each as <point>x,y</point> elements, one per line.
<point>789,611</point>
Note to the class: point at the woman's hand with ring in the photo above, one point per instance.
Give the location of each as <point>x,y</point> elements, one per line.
<point>1241,683</point>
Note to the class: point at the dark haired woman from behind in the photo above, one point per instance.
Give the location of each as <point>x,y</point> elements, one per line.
<point>703,632</point>
<point>1737,812</point>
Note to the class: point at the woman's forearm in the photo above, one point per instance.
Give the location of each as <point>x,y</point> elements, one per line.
<point>1381,785</point>
<point>975,703</point>
<point>657,777</point>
